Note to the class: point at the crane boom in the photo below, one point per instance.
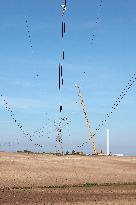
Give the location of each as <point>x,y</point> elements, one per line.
<point>87,121</point>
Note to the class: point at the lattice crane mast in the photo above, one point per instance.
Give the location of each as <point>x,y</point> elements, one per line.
<point>87,121</point>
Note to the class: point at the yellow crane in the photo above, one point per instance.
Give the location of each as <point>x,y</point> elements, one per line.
<point>87,121</point>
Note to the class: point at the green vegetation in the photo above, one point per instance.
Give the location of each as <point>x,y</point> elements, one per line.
<point>86,185</point>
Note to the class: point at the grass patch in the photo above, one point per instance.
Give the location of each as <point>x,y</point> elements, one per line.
<point>74,185</point>
<point>116,184</point>
<point>86,185</point>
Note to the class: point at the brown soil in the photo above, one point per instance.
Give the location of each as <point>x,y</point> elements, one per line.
<point>113,194</point>
<point>24,179</point>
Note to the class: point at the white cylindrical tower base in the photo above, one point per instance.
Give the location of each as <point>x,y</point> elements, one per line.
<point>108,151</point>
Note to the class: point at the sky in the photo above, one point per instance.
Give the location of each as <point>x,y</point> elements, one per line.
<point>102,67</point>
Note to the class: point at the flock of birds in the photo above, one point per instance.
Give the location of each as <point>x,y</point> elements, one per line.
<point>60,124</point>
<point>115,105</point>
<point>63,31</point>
<point>16,121</point>
<point>98,18</point>
<point>63,122</point>
<point>123,93</point>
<point>29,33</point>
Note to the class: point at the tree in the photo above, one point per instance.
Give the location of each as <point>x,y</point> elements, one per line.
<point>67,152</point>
<point>73,152</point>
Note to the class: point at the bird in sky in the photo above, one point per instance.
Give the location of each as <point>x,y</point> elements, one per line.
<point>64,8</point>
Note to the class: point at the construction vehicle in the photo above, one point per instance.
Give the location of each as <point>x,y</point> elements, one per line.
<point>87,122</point>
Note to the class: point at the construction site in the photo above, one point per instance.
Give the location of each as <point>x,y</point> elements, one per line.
<point>28,178</point>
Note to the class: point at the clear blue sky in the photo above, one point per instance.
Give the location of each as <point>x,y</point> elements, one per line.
<point>108,62</point>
